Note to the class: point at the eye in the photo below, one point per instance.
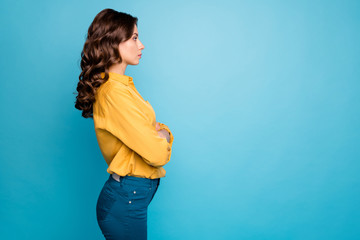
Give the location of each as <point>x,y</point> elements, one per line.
<point>135,38</point>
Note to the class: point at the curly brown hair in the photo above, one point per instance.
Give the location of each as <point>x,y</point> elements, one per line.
<point>101,50</point>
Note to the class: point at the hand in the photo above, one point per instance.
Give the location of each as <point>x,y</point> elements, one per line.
<point>163,132</point>
<point>157,126</point>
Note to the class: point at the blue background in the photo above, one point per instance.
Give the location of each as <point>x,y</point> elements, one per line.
<point>263,99</point>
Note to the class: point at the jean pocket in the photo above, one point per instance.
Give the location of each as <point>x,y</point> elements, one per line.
<point>138,198</point>
<point>105,202</point>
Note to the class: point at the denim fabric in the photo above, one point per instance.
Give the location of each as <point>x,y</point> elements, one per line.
<point>121,208</point>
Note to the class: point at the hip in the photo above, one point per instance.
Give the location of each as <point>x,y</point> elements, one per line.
<point>129,197</point>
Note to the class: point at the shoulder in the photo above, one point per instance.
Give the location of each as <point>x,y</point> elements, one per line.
<point>113,89</point>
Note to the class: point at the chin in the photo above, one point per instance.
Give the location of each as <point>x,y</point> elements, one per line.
<point>135,62</point>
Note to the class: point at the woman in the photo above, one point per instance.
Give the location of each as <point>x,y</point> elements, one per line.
<point>134,146</point>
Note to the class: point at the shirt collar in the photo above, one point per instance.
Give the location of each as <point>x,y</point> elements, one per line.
<point>119,77</point>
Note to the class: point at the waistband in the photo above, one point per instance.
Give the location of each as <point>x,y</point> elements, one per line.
<point>134,180</point>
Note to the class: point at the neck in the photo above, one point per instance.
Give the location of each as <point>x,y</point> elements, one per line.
<point>118,68</point>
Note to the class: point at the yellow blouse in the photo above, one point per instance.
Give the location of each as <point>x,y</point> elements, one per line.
<point>125,130</point>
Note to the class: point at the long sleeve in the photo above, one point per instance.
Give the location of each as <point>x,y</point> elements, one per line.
<point>163,126</point>
<point>126,121</point>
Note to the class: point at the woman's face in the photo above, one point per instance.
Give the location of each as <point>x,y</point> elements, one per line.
<point>130,50</point>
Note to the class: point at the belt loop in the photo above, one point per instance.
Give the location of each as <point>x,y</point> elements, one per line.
<point>122,179</point>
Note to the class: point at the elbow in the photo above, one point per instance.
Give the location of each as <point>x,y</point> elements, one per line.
<point>159,164</point>
<point>161,159</point>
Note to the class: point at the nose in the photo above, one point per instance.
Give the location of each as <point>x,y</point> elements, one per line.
<point>141,46</point>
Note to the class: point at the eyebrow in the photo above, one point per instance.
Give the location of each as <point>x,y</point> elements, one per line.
<point>136,34</point>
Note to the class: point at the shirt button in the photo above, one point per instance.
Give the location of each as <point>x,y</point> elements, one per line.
<point>129,201</point>
<point>134,192</point>
<point>168,148</point>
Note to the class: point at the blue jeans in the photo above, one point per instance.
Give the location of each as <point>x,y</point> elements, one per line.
<point>121,208</point>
